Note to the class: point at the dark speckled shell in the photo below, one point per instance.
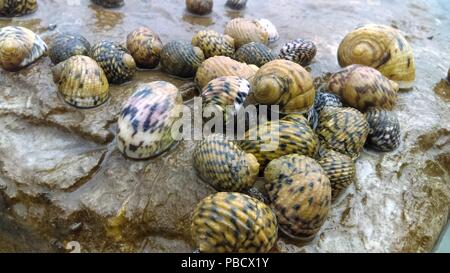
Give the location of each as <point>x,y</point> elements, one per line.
<point>299,51</point>
<point>109,3</point>
<point>66,45</point>
<point>236,4</point>
<point>324,99</point>
<point>181,59</point>
<point>233,223</point>
<point>254,53</point>
<point>145,46</point>
<point>13,8</point>
<point>384,130</point>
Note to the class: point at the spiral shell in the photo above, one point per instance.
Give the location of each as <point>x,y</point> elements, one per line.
<point>200,7</point>
<point>236,4</point>
<point>324,99</point>
<point>272,31</point>
<point>274,139</point>
<point>13,8</point>
<point>118,65</point>
<point>66,45</point>
<point>233,223</point>
<point>220,66</point>
<point>181,59</point>
<point>340,169</point>
<point>109,3</point>
<point>245,31</point>
<point>284,83</point>
<point>363,87</point>
<point>300,194</point>
<point>254,53</point>
<point>81,82</point>
<point>384,130</point>
<point>146,120</point>
<point>380,47</point>
<point>19,47</point>
<point>344,130</point>
<point>299,51</point>
<point>213,43</point>
<point>145,46</point>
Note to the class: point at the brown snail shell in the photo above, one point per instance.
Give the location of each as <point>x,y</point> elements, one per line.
<point>213,43</point>
<point>180,58</point>
<point>254,53</point>
<point>245,31</point>
<point>200,7</point>
<point>13,8</point>
<point>66,45</point>
<point>109,3</point>
<point>145,46</point>
<point>363,87</point>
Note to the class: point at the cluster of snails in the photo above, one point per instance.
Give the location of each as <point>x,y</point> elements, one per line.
<point>203,7</point>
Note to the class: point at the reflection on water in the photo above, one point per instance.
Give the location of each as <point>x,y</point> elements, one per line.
<point>193,19</point>
<point>106,19</point>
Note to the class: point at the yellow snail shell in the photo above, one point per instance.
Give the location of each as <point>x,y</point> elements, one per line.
<point>245,31</point>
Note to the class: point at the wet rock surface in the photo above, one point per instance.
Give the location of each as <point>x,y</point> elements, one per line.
<point>62,178</point>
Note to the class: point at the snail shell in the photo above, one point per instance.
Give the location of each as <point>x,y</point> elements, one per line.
<point>344,130</point>
<point>324,99</point>
<point>380,47</point>
<point>213,43</point>
<point>145,46</point>
<point>272,31</point>
<point>300,194</point>
<point>236,4</point>
<point>284,83</point>
<point>384,130</point>
<point>181,59</point>
<point>13,8</point>
<point>254,53</point>
<point>274,139</point>
<point>109,3</point>
<point>233,223</point>
<point>299,51</point>
<point>115,60</point>
<point>81,82</point>
<point>363,87</point>
<point>19,47</point>
<point>66,45</point>
<point>224,165</point>
<point>340,169</point>
<point>200,7</point>
<point>245,31</point>
<point>146,120</point>
<point>220,66</point>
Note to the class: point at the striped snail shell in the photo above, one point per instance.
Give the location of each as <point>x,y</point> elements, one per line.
<point>284,83</point>
<point>224,165</point>
<point>115,60</point>
<point>220,66</point>
<point>300,194</point>
<point>236,4</point>
<point>383,48</point>
<point>66,45</point>
<point>228,222</point>
<point>340,169</point>
<point>146,120</point>
<point>245,31</point>
<point>200,7</point>
<point>19,47</point>
<point>384,130</point>
<point>109,3</point>
<point>180,58</point>
<point>344,130</point>
<point>363,87</point>
<point>324,99</point>
<point>254,53</point>
<point>299,51</point>
<point>81,82</point>
<point>145,46</point>
<point>213,43</point>
<point>13,8</point>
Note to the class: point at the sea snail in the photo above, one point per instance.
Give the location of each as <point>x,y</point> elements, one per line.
<point>13,8</point>
<point>66,45</point>
<point>145,46</point>
<point>180,58</point>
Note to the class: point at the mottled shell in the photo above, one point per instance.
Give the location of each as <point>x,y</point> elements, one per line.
<point>300,194</point>
<point>272,31</point>
<point>363,87</point>
<point>284,83</point>
<point>19,47</point>
<point>81,82</point>
<point>224,165</point>
<point>146,120</point>
<point>340,169</point>
<point>344,130</point>
<point>324,99</point>
<point>236,4</point>
<point>200,7</point>
<point>380,47</point>
<point>213,43</point>
<point>115,60</point>
<point>109,3</point>
<point>225,94</point>
<point>299,51</point>
<point>181,59</point>
<point>245,31</point>
<point>384,130</point>
<point>13,8</point>
<point>220,66</point>
<point>66,45</point>
<point>274,139</point>
<point>254,53</point>
<point>233,223</point>
<point>145,46</point>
